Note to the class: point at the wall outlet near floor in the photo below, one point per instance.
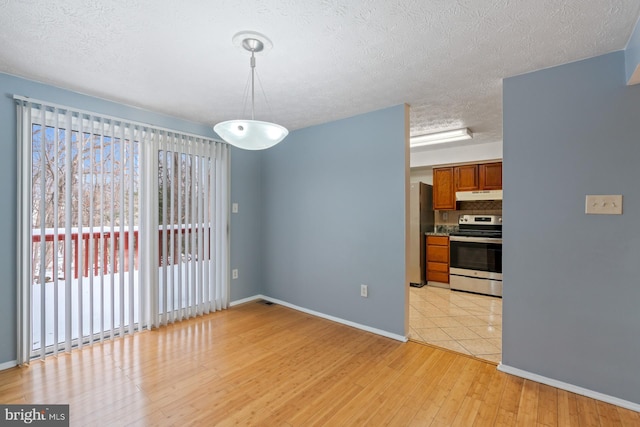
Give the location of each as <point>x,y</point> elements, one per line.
<point>364,291</point>
<point>234,273</point>
<point>603,204</point>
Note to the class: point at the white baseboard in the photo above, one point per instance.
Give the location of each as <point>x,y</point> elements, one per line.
<point>337,319</point>
<point>9,364</point>
<point>243,300</point>
<point>569,387</point>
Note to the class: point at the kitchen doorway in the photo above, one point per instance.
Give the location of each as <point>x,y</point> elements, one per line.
<point>464,322</point>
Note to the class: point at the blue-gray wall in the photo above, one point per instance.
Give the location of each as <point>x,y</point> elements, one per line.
<point>572,281</point>
<point>246,224</point>
<point>334,218</point>
<point>244,177</point>
<point>632,52</point>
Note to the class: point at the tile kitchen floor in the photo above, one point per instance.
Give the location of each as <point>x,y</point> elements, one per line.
<point>459,321</point>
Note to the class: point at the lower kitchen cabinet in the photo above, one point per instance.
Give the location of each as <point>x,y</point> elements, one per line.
<point>438,259</point>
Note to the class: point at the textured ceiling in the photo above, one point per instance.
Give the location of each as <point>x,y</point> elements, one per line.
<point>331,58</point>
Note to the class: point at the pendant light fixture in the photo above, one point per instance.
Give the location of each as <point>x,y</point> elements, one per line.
<point>251,134</point>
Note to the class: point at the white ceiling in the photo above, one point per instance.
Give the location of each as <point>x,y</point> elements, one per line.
<point>331,58</point>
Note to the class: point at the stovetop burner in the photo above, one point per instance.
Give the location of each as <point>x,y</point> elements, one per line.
<point>479,226</point>
<point>478,233</point>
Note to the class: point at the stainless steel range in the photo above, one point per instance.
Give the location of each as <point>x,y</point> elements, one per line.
<point>476,255</point>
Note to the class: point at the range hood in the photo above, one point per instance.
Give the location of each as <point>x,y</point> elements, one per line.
<point>465,196</point>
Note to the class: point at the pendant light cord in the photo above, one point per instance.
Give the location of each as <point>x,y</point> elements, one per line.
<point>253,67</point>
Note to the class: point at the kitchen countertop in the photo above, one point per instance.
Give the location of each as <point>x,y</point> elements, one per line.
<point>442,230</point>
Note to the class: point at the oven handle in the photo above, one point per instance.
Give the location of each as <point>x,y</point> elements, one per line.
<point>475,239</point>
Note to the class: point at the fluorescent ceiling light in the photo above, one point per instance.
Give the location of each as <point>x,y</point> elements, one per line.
<point>440,137</point>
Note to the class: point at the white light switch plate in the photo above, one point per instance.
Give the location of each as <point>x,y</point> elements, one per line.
<point>603,204</point>
<point>234,208</point>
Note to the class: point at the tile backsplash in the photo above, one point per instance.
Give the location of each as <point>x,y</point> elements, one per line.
<point>447,221</point>
<point>481,205</point>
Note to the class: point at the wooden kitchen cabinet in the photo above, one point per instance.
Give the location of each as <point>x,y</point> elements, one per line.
<point>466,178</point>
<point>438,259</point>
<point>482,176</point>
<point>491,176</point>
<point>444,197</point>
<point>473,177</point>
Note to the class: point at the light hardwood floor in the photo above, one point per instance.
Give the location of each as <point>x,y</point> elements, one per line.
<point>268,365</point>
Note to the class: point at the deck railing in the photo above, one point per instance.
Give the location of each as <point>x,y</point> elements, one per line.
<point>106,246</point>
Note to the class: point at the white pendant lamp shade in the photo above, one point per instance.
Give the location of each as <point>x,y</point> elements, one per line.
<point>251,134</point>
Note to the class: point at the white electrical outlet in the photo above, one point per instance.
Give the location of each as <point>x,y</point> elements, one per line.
<point>603,204</point>
<point>234,208</point>
<point>234,273</point>
<point>364,290</point>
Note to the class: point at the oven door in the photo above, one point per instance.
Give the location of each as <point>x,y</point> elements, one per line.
<point>476,253</point>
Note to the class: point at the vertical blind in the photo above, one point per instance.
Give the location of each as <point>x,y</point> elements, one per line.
<point>122,226</point>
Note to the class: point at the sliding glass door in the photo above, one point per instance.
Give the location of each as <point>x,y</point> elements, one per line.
<point>122,226</point>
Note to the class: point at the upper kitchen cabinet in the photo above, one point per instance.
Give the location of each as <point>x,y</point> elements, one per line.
<point>473,177</point>
<point>491,176</point>
<point>482,176</point>
<point>466,177</point>
<point>444,197</point>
